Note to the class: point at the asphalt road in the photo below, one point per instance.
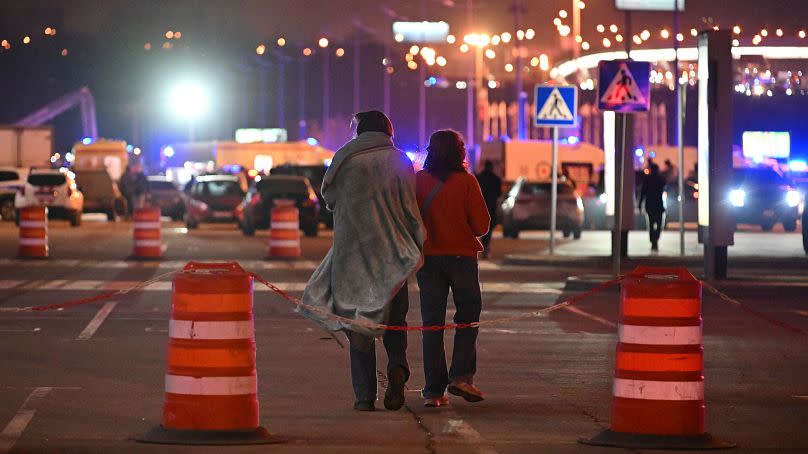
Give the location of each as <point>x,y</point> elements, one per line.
<point>91,378</point>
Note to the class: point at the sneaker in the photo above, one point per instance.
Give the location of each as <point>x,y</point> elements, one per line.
<point>467,391</point>
<point>364,405</point>
<point>394,396</point>
<point>441,401</point>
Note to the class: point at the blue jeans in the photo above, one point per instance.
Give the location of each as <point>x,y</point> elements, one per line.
<point>438,275</point>
<point>363,350</point>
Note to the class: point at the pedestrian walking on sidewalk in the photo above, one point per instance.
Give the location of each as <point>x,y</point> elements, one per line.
<point>455,214</point>
<point>652,189</point>
<point>378,235</point>
<point>491,186</point>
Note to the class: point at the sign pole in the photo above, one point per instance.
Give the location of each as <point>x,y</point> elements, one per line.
<point>618,210</point>
<point>554,191</point>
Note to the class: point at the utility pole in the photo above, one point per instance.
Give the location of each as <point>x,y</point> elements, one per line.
<point>521,97</point>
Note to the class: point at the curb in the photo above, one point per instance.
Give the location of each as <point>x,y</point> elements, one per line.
<point>796,263</point>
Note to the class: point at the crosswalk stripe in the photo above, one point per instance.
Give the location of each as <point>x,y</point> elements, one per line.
<point>178,264</point>
<point>549,288</point>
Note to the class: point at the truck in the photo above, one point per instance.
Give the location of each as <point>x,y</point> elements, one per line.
<point>20,149</point>
<point>101,154</point>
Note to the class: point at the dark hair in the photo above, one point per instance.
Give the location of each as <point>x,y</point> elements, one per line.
<point>654,169</point>
<point>488,165</point>
<point>373,121</point>
<point>447,154</point>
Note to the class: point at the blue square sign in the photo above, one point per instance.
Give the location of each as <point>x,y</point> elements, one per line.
<point>624,86</point>
<point>556,106</point>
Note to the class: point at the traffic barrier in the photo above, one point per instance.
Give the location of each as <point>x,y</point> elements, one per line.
<point>147,242</point>
<point>658,392</point>
<point>211,382</point>
<point>284,234</point>
<point>33,241</point>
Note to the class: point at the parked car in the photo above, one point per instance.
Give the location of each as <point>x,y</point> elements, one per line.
<point>691,206</point>
<point>11,180</point>
<point>315,175</point>
<point>101,194</point>
<point>213,198</point>
<point>254,212</point>
<point>761,196</point>
<point>526,206</point>
<point>164,194</point>
<point>55,189</point>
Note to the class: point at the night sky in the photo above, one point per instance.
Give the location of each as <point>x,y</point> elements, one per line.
<point>105,42</point>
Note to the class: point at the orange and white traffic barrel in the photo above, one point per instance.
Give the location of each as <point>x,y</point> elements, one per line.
<point>33,242</point>
<point>211,386</point>
<point>658,392</point>
<point>147,242</point>
<point>284,234</point>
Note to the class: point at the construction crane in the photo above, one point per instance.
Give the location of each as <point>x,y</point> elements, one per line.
<point>81,97</point>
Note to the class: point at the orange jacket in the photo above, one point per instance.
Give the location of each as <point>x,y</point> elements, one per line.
<point>457,216</point>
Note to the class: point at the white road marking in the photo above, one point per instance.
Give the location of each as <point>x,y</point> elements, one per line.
<point>455,425</point>
<point>803,313</point>
<point>14,429</point>
<point>96,322</point>
<point>800,397</point>
<point>162,286</point>
<point>592,317</point>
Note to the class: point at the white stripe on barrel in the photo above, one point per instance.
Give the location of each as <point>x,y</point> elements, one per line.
<point>188,329</point>
<point>285,225</point>
<point>284,243</point>
<point>32,241</point>
<point>658,390</point>
<point>660,335</point>
<point>211,386</point>
<point>148,243</point>
<point>32,224</point>
<point>147,225</point>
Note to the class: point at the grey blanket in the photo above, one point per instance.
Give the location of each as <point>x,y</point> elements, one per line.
<point>378,234</point>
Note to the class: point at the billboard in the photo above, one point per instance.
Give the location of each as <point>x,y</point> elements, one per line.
<point>422,32</point>
<point>650,5</point>
<point>760,145</point>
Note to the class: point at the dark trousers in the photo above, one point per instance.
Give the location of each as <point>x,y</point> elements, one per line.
<point>655,224</point>
<point>486,239</point>
<point>363,350</point>
<point>438,275</point>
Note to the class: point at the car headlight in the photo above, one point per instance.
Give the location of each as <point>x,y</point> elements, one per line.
<point>737,197</point>
<point>793,198</point>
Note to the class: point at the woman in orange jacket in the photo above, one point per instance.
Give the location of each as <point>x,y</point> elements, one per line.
<point>455,215</point>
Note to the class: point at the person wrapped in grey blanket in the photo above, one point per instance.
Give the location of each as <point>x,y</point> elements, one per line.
<point>378,240</point>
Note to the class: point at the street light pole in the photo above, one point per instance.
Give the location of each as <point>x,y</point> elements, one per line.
<point>326,89</point>
<point>679,133</point>
<point>301,98</point>
<point>521,98</point>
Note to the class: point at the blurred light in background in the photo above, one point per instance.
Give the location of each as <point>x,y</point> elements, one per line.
<point>188,100</point>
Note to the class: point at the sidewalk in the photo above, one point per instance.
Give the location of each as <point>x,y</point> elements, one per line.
<point>751,250</point>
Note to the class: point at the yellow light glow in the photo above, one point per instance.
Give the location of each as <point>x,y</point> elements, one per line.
<point>147,46</point>
<point>557,22</point>
<point>451,39</point>
<point>464,48</point>
<point>412,65</point>
<point>495,40</point>
<point>618,37</point>
<point>601,28</point>
<point>441,61</point>
<point>613,28</point>
<point>281,41</point>
<point>680,37</point>
<point>534,61</point>
<point>694,32</point>
<point>307,51</point>
<point>544,62</point>
<point>323,42</point>
<point>506,37</point>
<point>520,34</point>
<point>261,49</point>
<point>764,33</point>
<point>509,68</point>
<point>340,52</point>
<point>169,35</point>
<point>606,42</point>
<point>409,57</point>
<point>665,34</point>
<point>562,14</point>
<point>585,45</point>
<point>26,40</point>
<point>636,39</point>
<point>490,53</point>
<point>736,29</point>
<point>64,52</point>
<point>779,32</point>
<point>581,5</point>
<point>579,39</point>
<point>48,31</point>
<point>177,35</point>
<point>530,33</point>
<point>414,50</point>
<point>399,37</point>
<point>801,34</point>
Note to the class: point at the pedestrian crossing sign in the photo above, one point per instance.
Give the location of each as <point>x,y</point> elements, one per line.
<point>624,86</point>
<point>556,106</point>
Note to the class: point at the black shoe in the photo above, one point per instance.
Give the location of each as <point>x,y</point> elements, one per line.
<point>654,246</point>
<point>364,405</point>
<point>394,396</point>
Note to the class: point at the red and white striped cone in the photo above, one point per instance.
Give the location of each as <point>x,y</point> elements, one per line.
<point>147,242</point>
<point>33,241</point>
<point>284,234</point>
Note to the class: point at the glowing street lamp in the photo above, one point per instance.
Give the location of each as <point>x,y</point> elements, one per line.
<point>189,101</point>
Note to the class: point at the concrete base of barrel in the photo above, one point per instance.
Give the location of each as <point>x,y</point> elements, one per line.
<point>645,441</point>
<point>163,436</point>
